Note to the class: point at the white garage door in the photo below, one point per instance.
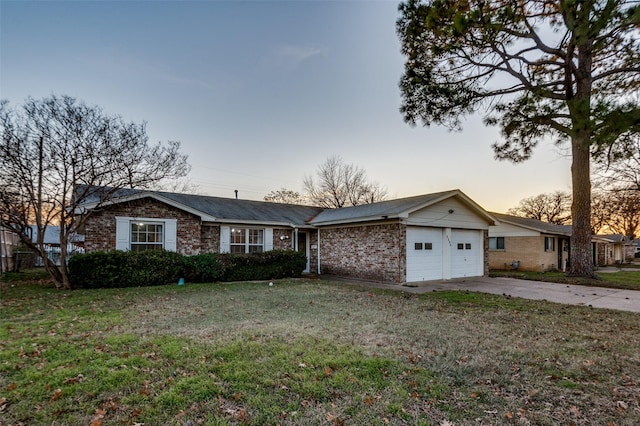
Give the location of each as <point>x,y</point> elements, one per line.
<point>424,254</point>
<point>466,253</point>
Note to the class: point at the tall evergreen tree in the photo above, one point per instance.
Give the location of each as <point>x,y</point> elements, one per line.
<point>565,69</point>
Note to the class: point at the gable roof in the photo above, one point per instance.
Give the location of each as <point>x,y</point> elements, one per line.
<point>217,209</point>
<point>534,224</point>
<point>394,209</point>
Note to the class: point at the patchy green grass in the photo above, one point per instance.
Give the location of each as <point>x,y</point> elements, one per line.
<point>628,280</point>
<point>310,352</point>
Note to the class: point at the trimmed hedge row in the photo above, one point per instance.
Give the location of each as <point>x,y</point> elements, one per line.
<point>115,269</point>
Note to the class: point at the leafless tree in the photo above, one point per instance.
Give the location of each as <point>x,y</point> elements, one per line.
<point>621,165</point>
<point>553,207</point>
<point>285,196</point>
<point>341,185</point>
<point>58,151</point>
<point>616,210</point>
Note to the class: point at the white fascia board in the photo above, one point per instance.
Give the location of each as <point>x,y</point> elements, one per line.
<point>357,220</point>
<point>227,221</point>
<point>81,209</point>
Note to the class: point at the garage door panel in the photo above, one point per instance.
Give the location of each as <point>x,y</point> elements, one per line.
<point>424,254</point>
<point>466,253</point>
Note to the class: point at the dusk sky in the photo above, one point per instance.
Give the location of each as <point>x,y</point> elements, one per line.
<point>260,93</point>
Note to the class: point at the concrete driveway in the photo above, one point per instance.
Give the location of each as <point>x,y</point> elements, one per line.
<point>597,297</point>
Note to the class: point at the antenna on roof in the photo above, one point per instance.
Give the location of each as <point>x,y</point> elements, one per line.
<point>236,191</point>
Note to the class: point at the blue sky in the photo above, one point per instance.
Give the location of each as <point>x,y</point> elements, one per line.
<point>260,93</point>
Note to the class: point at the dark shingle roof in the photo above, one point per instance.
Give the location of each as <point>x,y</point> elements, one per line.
<point>229,209</point>
<point>537,225</point>
<point>391,209</point>
<point>217,208</point>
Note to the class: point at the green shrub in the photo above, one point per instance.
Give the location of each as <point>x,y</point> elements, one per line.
<point>202,268</point>
<point>116,268</point>
<point>262,266</point>
<point>157,267</point>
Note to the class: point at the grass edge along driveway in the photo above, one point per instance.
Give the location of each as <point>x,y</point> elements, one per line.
<point>310,352</point>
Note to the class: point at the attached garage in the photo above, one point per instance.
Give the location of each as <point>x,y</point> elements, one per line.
<point>429,237</point>
<point>443,253</point>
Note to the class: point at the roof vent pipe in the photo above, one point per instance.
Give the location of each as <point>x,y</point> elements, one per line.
<point>236,191</point>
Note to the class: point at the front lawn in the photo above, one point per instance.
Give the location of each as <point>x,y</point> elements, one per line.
<point>310,352</point>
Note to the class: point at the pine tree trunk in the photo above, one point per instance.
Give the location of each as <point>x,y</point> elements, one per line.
<point>581,255</point>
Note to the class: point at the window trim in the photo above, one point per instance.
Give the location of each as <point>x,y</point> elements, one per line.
<point>123,231</point>
<point>497,244</point>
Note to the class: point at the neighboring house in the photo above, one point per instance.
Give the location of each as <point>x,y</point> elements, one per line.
<point>428,237</point>
<point>51,242</point>
<point>528,244</point>
<point>613,249</point>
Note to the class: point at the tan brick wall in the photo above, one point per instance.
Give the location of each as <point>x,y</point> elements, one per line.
<point>528,250</point>
<point>375,252</point>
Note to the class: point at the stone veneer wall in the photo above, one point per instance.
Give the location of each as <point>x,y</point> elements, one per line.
<point>374,252</point>
<point>100,227</point>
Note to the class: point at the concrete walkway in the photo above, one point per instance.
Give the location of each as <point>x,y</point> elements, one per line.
<point>597,297</point>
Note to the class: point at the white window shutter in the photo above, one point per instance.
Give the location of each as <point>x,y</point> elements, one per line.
<point>123,232</point>
<point>170,234</point>
<point>225,239</point>
<point>268,239</point>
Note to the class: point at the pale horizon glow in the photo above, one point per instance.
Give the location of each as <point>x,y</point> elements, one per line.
<point>260,93</point>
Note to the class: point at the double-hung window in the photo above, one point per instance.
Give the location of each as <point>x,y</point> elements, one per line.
<point>147,236</point>
<point>246,240</point>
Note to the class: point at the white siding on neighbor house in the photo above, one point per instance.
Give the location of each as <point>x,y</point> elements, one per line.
<point>438,215</point>
<point>123,231</point>
<point>508,230</point>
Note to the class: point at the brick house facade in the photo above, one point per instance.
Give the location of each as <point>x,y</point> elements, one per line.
<point>378,251</point>
<point>366,242</point>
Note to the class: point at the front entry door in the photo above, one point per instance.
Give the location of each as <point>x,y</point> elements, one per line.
<point>302,246</point>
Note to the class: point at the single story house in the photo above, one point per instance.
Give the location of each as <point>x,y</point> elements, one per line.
<point>532,245</point>
<point>614,249</point>
<point>528,244</point>
<point>427,237</point>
